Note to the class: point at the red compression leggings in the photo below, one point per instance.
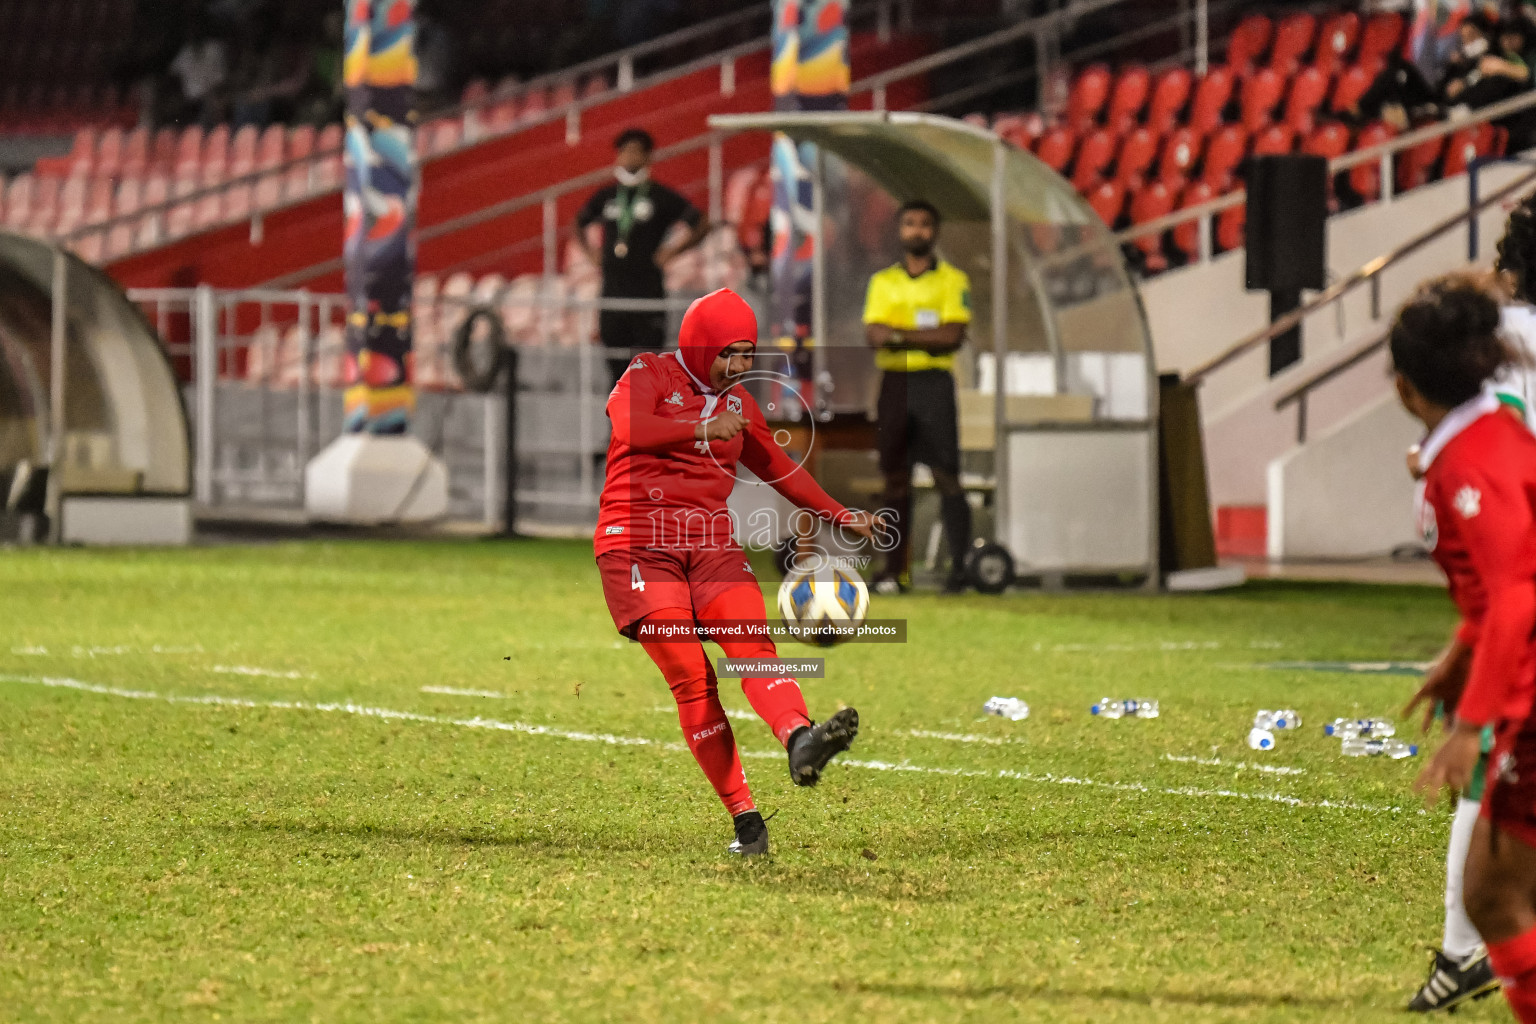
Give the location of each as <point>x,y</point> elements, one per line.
<point>686,667</point>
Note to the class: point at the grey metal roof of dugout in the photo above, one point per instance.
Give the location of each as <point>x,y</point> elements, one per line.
<point>947,162</point>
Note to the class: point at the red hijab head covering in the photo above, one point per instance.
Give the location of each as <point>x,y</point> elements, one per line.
<point>719,319</point>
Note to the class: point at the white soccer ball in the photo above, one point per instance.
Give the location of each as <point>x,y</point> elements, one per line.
<point>823,606</point>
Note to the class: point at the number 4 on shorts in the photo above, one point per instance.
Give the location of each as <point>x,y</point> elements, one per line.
<point>635,582</point>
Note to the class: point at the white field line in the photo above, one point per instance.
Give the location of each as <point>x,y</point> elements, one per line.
<point>453,692</point>
<point>1216,762</point>
<point>740,716</point>
<point>958,737</point>
<point>350,708</point>
<point>1161,645</point>
<point>84,651</point>
<point>253,670</point>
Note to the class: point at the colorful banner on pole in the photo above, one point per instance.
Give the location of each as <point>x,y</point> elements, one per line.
<point>380,206</point>
<point>810,71</point>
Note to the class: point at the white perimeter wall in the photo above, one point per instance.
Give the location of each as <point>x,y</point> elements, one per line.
<point>1197,312</point>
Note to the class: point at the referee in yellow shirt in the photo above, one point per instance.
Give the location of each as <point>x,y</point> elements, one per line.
<point>915,315</point>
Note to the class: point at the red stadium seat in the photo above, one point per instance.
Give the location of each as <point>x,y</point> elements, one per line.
<point>1093,156</point>
<point>1353,84</point>
<point>82,155</point>
<point>595,85</point>
<point>1383,32</point>
<point>130,196</point>
<point>1249,41</point>
<point>1293,40</point>
<point>98,201</point>
<point>163,155</point>
<point>475,92</point>
<point>1467,145</point>
<point>1308,90</point>
<point>1108,200</point>
<point>272,147</point>
<point>1055,148</point>
<point>18,200</point>
<point>1211,98</point>
<point>216,150</point>
<point>1328,141</point>
<point>301,142</point>
<point>1276,140</point>
<point>1136,155</point>
<point>1020,130</point>
<point>1181,152</point>
<point>109,151</point>
<point>70,213</point>
<point>1090,89</point>
<point>1416,165</point>
<point>1223,153</point>
<point>1169,97</point>
<point>1262,92</point>
<point>1335,41</point>
<point>1150,202</point>
<point>136,151</point>
<point>1186,237</point>
<point>1365,179</point>
<point>1231,226</point>
<point>1129,97</point>
<point>189,150</point>
<point>242,152</point>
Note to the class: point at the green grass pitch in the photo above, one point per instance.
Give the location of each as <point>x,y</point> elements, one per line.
<point>286,848</point>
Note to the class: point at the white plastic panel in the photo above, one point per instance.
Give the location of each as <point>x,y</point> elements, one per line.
<point>1080,500</point>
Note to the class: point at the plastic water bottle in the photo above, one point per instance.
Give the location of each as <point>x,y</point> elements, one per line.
<point>1011,708</point>
<point>1360,746</point>
<point>1360,728</point>
<point>1286,719</point>
<point>1109,707</point>
<point>1261,739</point>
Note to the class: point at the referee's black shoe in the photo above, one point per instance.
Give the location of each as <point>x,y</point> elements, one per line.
<point>1452,982</point>
<point>812,746</point>
<point>957,582</point>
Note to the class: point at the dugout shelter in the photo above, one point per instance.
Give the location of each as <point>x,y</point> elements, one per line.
<point>119,470</point>
<point>1068,444</point>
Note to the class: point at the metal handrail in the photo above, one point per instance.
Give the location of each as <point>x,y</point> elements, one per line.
<point>1366,272</point>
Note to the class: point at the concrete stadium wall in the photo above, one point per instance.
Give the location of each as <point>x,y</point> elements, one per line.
<point>1243,430</point>
<point>1346,494</point>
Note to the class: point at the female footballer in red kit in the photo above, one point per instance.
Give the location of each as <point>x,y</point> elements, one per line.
<point>667,551</point>
<point>1478,517</point>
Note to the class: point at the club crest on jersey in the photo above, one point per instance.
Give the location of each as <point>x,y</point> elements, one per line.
<point>638,364</point>
<point>1429,529</point>
<point>1468,501</point>
<point>733,403</point>
<point>675,398</point>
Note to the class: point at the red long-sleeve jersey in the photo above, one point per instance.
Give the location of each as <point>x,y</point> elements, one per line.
<point>1477,513</point>
<point>664,489</point>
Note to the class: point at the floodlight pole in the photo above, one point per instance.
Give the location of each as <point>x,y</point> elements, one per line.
<point>999,211</point>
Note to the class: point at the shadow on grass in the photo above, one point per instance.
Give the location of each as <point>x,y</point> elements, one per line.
<point>514,837</point>
<point>1058,993</point>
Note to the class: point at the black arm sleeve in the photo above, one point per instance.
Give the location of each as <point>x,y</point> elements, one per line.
<point>593,210</point>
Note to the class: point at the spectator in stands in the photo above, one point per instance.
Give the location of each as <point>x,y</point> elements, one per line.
<point>273,81</point>
<point>1489,67</point>
<point>200,69</point>
<point>915,317</point>
<point>637,214</point>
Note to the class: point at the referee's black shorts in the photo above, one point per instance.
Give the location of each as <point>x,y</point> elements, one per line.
<point>918,421</point>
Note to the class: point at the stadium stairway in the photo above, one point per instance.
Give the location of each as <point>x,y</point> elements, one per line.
<point>300,245</point>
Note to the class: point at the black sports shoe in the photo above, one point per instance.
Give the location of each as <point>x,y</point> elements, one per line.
<point>751,834</point>
<point>957,583</point>
<point>812,746</point>
<point>1452,982</point>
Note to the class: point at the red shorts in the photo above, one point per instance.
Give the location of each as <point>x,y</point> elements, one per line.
<point>1509,801</point>
<point>642,581</point>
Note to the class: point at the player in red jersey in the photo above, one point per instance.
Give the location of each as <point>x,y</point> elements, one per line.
<point>667,551</point>
<point>1478,517</point>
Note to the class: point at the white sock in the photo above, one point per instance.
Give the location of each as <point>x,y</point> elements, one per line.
<point>1460,937</point>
